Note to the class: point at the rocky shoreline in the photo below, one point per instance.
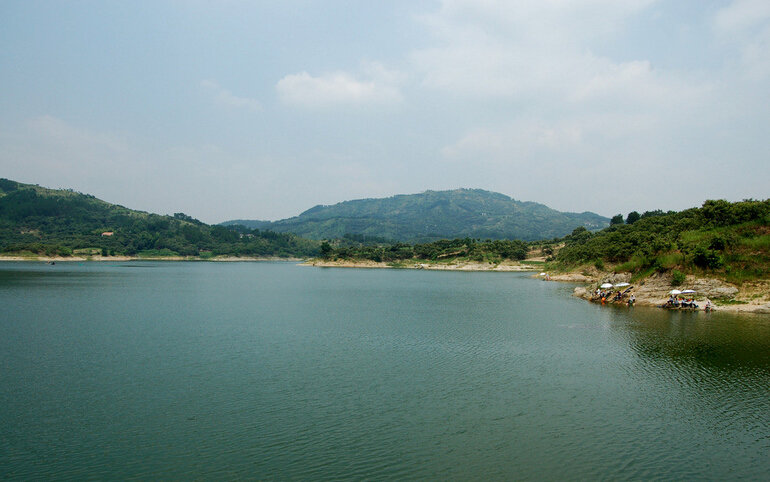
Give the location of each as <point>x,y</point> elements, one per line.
<point>654,291</point>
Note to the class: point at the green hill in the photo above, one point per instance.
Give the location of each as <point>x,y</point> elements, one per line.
<point>40,221</point>
<point>730,241</point>
<point>434,215</point>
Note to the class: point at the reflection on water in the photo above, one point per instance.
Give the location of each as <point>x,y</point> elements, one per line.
<point>715,368</point>
<point>715,342</point>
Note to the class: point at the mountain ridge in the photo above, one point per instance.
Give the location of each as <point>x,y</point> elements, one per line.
<point>433,215</point>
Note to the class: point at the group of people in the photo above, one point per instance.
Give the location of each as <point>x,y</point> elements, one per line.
<point>675,302</point>
<point>614,296</point>
<point>621,296</point>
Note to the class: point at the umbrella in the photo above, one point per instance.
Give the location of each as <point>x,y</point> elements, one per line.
<point>688,292</point>
<point>606,285</point>
<point>621,285</point>
<point>675,292</point>
<point>542,274</point>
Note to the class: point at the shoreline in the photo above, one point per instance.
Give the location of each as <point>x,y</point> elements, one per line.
<point>455,266</point>
<point>652,291</point>
<point>99,258</point>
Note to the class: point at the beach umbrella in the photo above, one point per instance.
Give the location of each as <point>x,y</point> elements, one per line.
<point>621,285</point>
<point>675,292</point>
<point>688,292</point>
<point>542,274</point>
<point>606,285</point>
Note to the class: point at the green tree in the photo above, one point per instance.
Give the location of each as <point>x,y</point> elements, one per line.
<point>677,278</point>
<point>326,250</point>
<point>633,217</point>
<point>616,219</point>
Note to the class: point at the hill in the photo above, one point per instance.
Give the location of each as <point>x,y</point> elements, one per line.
<point>40,221</point>
<point>723,240</point>
<point>434,215</point>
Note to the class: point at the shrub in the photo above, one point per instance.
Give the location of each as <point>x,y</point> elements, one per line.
<point>707,258</point>
<point>677,277</point>
<point>718,243</point>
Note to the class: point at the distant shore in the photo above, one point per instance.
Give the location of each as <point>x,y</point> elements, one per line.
<point>438,266</point>
<point>652,291</point>
<point>65,259</point>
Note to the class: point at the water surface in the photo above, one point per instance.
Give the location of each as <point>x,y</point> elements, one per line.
<point>271,370</point>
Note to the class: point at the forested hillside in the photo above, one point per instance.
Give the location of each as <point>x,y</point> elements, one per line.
<point>434,215</point>
<point>493,252</point>
<point>722,239</point>
<point>50,222</point>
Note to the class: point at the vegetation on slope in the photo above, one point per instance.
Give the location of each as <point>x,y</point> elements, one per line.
<point>434,215</point>
<point>725,240</point>
<point>466,249</point>
<point>49,222</point>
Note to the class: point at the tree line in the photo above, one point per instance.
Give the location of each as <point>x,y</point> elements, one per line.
<point>493,251</point>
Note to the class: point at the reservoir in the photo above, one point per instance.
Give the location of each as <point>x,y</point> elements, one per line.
<point>193,370</point>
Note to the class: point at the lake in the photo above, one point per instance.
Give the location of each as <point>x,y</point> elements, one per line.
<point>167,370</point>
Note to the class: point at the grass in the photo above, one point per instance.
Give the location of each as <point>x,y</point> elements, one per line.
<point>398,264</point>
<point>87,252</point>
<point>723,301</point>
<point>640,275</point>
<point>694,237</point>
<point>20,254</point>
<point>630,266</point>
<point>757,243</point>
<point>156,253</point>
<point>742,275</point>
<point>669,260</point>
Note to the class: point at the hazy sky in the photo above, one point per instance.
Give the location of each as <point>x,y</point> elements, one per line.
<point>260,110</point>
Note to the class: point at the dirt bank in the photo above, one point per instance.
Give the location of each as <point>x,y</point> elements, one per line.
<point>655,290</point>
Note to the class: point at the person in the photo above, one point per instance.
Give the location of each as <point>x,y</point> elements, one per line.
<point>708,305</point>
<point>631,300</point>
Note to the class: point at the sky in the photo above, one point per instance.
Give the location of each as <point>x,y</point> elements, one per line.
<point>262,109</point>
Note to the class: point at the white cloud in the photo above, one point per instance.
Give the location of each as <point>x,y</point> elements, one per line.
<point>226,98</point>
<point>539,50</point>
<point>378,86</point>
<point>745,26</point>
<point>741,15</point>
